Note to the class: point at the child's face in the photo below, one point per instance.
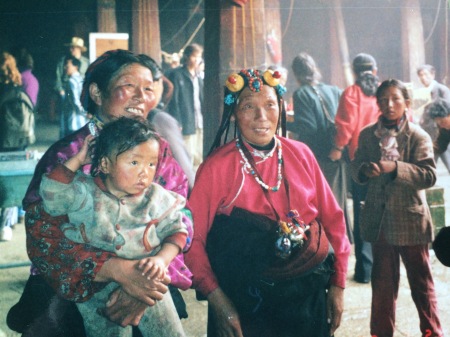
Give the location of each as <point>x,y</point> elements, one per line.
<point>70,68</point>
<point>443,122</point>
<point>392,103</point>
<point>132,171</point>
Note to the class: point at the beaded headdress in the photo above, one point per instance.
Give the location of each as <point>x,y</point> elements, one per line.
<point>254,80</point>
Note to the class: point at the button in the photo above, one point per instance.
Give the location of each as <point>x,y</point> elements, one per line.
<point>118,247</point>
<point>122,201</point>
<point>118,227</point>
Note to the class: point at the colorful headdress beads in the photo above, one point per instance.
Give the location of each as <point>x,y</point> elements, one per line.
<point>251,78</point>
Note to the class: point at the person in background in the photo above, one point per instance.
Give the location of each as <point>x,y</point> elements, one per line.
<point>73,116</point>
<point>439,112</point>
<point>427,74</point>
<point>16,128</point>
<point>119,83</point>
<point>269,251</point>
<point>30,83</point>
<point>187,100</point>
<point>150,222</point>
<point>76,49</point>
<point>395,160</point>
<point>168,127</point>
<point>357,109</point>
<point>441,246</point>
<point>315,105</point>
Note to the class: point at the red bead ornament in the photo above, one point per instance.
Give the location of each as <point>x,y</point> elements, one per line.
<point>232,80</point>
<point>276,74</point>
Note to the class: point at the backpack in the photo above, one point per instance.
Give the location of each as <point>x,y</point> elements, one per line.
<point>16,120</point>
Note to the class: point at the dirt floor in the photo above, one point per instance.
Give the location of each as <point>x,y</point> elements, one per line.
<point>357,296</point>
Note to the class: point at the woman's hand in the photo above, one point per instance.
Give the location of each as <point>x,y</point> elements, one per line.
<point>225,314</point>
<point>335,307</point>
<point>127,274</point>
<point>335,154</point>
<point>123,309</point>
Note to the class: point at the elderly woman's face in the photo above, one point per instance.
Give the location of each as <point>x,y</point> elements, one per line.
<point>392,103</point>
<point>257,115</point>
<point>130,94</point>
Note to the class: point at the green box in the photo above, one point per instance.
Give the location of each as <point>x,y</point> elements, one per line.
<point>435,200</point>
<point>15,176</point>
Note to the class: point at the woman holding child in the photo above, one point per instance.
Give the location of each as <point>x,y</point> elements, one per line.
<point>117,84</point>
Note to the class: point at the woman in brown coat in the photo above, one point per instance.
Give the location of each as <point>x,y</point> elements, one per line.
<point>395,159</point>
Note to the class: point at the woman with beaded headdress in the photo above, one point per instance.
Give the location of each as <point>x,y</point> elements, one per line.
<point>270,250</point>
<point>118,84</point>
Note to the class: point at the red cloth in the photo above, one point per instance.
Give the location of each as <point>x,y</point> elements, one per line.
<point>355,111</point>
<point>221,184</point>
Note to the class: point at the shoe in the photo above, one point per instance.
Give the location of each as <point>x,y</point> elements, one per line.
<point>6,234</point>
<point>360,279</point>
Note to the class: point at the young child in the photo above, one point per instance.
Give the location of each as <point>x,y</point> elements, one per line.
<point>73,116</point>
<point>395,159</point>
<point>120,210</point>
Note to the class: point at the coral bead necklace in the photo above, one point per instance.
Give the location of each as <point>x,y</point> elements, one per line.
<point>253,170</point>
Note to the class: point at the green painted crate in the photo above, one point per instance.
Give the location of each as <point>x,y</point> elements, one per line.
<point>435,199</point>
<point>15,176</point>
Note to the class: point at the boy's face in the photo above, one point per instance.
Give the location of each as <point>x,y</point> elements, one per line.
<point>194,60</point>
<point>443,122</point>
<point>70,68</point>
<point>132,171</point>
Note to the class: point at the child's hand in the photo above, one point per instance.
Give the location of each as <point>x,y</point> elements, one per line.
<point>153,267</point>
<point>83,156</point>
<point>371,170</point>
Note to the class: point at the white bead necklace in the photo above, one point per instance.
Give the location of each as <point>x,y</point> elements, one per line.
<point>252,169</point>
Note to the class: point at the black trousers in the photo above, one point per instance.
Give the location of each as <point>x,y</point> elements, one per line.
<point>363,249</point>
<point>288,309</point>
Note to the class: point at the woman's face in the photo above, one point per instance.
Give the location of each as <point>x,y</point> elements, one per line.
<point>130,94</point>
<point>392,103</point>
<point>257,115</point>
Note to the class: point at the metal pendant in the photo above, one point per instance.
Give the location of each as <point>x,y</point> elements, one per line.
<point>283,247</point>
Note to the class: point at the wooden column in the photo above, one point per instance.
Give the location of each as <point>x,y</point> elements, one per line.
<point>412,40</point>
<point>106,16</point>
<point>339,47</point>
<point>145,28</point>
<point>236,38</point>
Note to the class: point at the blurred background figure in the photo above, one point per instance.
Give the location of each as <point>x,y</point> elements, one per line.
<point>16,126</point>
<point>427,75</point>
<point>315,106</point>
<point>76,49</point>
<point>357,109</point>
<point>187,100</point>
<point>73,116</point>
<point>30,83</point>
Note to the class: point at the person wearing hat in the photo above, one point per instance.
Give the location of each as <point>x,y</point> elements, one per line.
<point>76,48</point>
<point>357,109</point>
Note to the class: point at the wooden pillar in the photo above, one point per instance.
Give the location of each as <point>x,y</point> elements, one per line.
<point>106,16</point>
<point>236,38</point>
<point>339,46</point>
<point>413,48</point>
<point>145,28</point>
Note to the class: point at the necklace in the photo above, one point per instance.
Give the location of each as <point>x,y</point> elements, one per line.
<point>253,171</point>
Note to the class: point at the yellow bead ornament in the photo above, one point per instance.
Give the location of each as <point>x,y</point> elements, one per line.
<point>272,78</point>
<point>235,82</point>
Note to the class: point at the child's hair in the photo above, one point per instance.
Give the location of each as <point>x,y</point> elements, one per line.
<point>119,136</point>
<point>392,82</point>
<point>75,62</point>
<point>439,108</point>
